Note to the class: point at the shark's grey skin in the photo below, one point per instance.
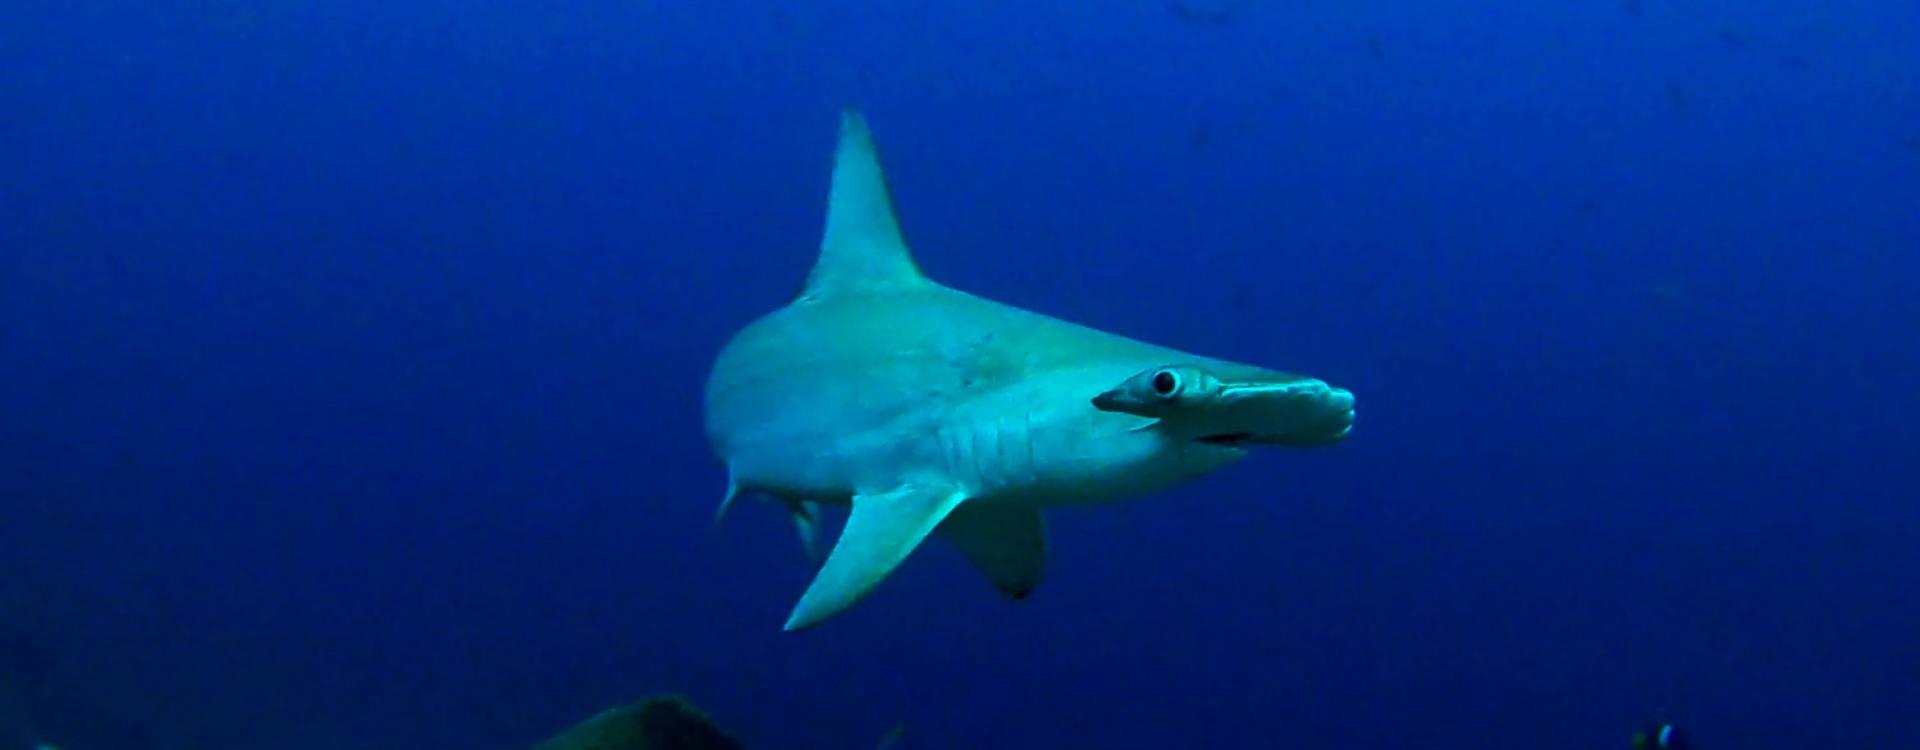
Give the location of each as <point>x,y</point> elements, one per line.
<point>928,409</point>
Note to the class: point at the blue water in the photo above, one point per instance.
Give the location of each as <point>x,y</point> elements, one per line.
<point>351,357</point>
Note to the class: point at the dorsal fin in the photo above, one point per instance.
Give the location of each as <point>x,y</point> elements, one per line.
<point>862,249</point>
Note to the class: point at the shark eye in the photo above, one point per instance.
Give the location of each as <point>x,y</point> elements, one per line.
<point>1166,383</point>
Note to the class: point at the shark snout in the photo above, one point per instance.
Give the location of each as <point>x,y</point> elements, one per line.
<point>1331,416</point>
<point>1306,413</point>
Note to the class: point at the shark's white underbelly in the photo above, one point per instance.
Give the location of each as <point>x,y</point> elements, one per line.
<point>1064,455</point>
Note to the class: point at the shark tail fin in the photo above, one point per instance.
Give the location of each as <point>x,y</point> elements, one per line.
<point>862,249</point>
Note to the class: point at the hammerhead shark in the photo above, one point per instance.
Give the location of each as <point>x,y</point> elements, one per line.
<point>931,411</point>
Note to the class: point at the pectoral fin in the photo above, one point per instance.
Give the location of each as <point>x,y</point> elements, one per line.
<point>881,531</point>
<point>1006,542</point>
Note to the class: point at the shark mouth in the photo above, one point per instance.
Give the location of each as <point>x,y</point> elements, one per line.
<point>1227,438</point>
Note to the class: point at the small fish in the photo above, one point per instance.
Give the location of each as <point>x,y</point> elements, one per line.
<point>892,737</point>
<point>1661,736</point>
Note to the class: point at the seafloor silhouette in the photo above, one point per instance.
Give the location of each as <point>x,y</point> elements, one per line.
<point>664,722</point>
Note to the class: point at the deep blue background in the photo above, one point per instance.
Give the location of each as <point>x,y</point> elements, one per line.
<point>351,357</point>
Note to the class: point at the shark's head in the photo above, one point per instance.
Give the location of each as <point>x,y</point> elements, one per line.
<point>1233,405</point>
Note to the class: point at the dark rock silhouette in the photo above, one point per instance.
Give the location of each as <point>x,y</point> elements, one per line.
<point>665,722</point>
